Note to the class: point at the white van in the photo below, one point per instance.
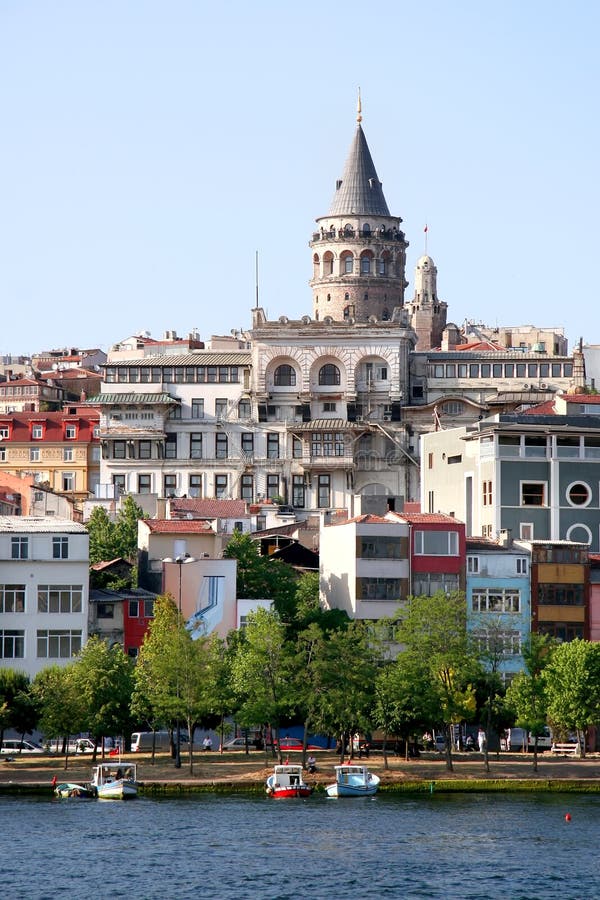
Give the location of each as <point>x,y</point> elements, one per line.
<point>143,741</point>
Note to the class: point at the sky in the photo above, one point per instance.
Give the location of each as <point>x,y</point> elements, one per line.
<point>150,150</point>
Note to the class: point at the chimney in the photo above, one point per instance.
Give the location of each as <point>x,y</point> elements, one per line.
<point>505,537</point>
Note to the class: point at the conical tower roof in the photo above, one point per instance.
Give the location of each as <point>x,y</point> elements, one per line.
<point>359,192</point>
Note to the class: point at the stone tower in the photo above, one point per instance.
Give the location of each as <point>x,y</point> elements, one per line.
<point>359,251</point>
<point>427,313</point>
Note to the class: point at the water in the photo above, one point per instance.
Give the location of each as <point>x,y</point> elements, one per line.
<point>237,847</point>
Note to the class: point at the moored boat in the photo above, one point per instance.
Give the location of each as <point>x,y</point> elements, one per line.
<point>288,781</point>
<point>114,781</point>
<point>68,790</point>
<point>353,781</point>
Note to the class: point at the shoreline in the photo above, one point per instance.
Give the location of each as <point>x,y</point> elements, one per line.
<point>240,773</point>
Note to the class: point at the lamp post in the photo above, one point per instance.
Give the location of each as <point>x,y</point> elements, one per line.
<point>179,561</point>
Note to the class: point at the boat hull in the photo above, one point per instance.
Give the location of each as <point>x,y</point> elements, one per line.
<point>345,790</point>
<point>284,792</point>
<point>71,791</point>
<point>117,790</point>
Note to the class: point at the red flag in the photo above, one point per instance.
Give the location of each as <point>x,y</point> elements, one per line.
<point>425,229</point>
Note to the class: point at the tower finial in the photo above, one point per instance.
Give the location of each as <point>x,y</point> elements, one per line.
<point>359,109</point>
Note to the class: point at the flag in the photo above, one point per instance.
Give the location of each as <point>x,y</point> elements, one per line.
<point>425,229</point>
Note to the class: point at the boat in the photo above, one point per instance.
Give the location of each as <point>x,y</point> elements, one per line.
<point>288,781</point>
<point>68,790</point>
<point>114,781</point>
<point>353,781</point>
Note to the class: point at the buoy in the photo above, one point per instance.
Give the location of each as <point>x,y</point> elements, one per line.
<point>568,817</point>
<point>54,781</point>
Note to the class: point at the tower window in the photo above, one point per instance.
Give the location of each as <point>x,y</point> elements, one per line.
<point>329,374</point>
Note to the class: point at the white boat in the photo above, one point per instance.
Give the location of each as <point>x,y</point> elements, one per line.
<point>114,781</point>
<point>69,790</point>
<point>288,781</point>
<point>353,781</point>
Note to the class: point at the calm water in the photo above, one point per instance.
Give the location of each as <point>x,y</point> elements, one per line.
<point>478,846</point>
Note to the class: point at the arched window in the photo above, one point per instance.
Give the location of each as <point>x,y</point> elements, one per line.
<point>347,264</point>
<point>315,265</point>
<point>285,376</point>
<point>328,263</point>
<point>366,229</point>
<point>329,374</point>
<point>365,265</point>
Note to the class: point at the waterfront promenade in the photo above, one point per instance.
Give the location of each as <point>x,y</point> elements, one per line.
<point>231,770</point>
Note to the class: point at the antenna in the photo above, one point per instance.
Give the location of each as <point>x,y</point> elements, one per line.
<point>256,278</point>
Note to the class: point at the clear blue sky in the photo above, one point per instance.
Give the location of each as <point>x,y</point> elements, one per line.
<point>149,149</point>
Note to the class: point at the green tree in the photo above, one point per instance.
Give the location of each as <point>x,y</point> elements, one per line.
<point>263,671</point>
<point>526,694</point>
<point>433,630</point>
<point>572,680</point>
<point>12,685</point>
<point>60,704</point>
<point>103,538</point>
<point>103,678</point>
<point>218,685</point>
<point>126,528</point>
<point>490,646</point>
<point>260,577</point>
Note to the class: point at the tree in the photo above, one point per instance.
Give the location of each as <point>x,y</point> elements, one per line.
<point>262,578</point>
<point>526,694</point>
<point>220,693</point>
<point>345,670</point>
<point>262,672</point>
<point>103,679</point>
<point>103,540</point>
<point>12,685</point>
<point>170,674</point>
<point>433,630</point>
<point>572,680</point>
<point>126,528</point>
<point>61,706</point>
<point>490,646</point>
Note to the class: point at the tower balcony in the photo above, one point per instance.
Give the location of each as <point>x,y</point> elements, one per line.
<point>352,234</point>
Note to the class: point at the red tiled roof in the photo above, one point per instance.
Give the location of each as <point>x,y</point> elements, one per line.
<point>581,398</point>
<point>365,519</point>
<point>178,526</point>
<point>542,409</point>
<point>427,518</point>
<point>20,422</point>
<point>483,346</point>
<point>210,509</point>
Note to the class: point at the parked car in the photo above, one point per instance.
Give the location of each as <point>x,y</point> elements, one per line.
<point>81,745</point>
<point>17,746</point>
<point>239,743</point>
<point>440,743</point>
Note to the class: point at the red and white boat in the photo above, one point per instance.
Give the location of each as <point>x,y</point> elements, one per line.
<point>288,781</point>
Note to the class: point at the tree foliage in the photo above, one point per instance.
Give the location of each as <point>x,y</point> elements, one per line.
<point>259,577</point>
<point>572,684</point>
<point>526,695</point>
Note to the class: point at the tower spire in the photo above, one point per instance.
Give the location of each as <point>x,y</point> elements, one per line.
<point>359,109</point>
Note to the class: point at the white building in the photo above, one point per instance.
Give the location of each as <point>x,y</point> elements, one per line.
<point>44,590</point>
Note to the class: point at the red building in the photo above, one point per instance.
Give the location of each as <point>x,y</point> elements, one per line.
<point>437,545</point>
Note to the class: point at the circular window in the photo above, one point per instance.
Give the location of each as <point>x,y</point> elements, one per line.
<point>579,494</point>
<point>579,533</point>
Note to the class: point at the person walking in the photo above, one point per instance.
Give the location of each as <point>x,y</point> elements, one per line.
<point>481,739</point>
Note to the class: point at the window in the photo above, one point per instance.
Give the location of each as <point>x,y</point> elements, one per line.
<point>59,598</point>
<point>473,564</point>
<point>579,494</point>
<point>12,598</point>
<point>298,491</point>
<point>284,376</point>
<point>19,548</point>
<point>329,407</point>
<point>324,491</point>
<point>12,644</point>
<point>195,486</point>
<point>426,584</point>
<point>60,547</point>
<point>454,460</point>
<point>70,432</point>
<point>561,594</point>
<point>105,611</point>
<point>505,643</point>
<point>58,644</point>
<point>247,488</point>
<point>329,375</point>
<point>144,484</point>
<point>379,589</point>
<point>522,565</point>
<point>220,486</point>
<point>365,265</point>
<point>145,450</point>
<point>220,407</point>
<point>526,531</point>
<point>2,454</point>
<point>169,485</point>
<point>244,409</point>
<point>220,445</point>
<point>272,446</point>
<point>37,432</point>
<point>436,543</point>
<point>272,486</point>
<point>381,548</point>
<point>118,449</point>
<point>296,447</point>
<point>496,600</point>
<point>34,454</point>
<point>348,264</point>
<point>198,408</point>
<point>533,493</point>
<point>119,484</point>
<point>487,493</point>
<point>248,443</point>
<point>452,408</point>
<point>327,443</point>
<point>196,445</point>
<point>171,446</point>
<point>68,481</point>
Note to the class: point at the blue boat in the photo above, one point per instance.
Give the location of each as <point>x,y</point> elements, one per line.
<point>353,781</point>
